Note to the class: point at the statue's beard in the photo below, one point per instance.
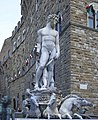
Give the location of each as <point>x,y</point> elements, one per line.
<point>52,26</point>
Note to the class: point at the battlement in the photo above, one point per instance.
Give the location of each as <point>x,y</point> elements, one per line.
<point>18,26</point>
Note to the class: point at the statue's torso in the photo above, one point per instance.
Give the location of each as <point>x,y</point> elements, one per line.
<point>48,38</point>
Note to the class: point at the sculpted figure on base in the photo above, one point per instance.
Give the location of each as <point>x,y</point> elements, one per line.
<point>30,105</point>
<point>48,51</point>
<point>52,107</point>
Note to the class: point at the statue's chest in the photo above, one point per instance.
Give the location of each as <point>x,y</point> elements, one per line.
<point>48,33</point>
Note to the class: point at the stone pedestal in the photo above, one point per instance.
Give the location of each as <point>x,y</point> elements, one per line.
<point>43,97</point>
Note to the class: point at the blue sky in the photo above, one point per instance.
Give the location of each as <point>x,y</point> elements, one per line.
<point>10,14</point>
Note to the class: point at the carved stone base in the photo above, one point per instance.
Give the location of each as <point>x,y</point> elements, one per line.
<point>41,97</point>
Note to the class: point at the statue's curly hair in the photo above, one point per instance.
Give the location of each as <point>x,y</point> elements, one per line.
<point>53,16</point>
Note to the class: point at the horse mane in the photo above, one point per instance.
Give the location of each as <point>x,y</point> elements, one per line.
<point>68,96</point>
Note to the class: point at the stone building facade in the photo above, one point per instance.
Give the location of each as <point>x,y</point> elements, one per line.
<point>1,78</point>
<point>5,65</point>
<point>76,70</point>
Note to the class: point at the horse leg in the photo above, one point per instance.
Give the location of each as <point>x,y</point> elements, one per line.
<point>27,112</point>
<point>79,116</point>
<point>27,115</point>
<point>59,115</point>
<point>69,116</point>
<point>48,116</point>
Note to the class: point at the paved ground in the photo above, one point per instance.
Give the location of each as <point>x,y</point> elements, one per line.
<point>47,119</point>
<point>29,119</point>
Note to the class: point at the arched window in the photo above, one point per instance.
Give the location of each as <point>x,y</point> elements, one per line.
<point>9,53</point>
<point>4,58</point>
<point>38,2</point>
<point>23,34</point>
<point>58,25</point>
<point>97,20</point>
<point>18,41</point>
<point>14,46</point>
<point>92,15</point>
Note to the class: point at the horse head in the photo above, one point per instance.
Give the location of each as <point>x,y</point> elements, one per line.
<point>84,102</point>
<point>68,105</point>
<point>77,102</point>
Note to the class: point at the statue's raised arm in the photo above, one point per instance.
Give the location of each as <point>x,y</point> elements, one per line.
<point>39,40</point>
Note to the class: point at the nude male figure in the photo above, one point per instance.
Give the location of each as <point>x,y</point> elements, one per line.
<point>49,50</point>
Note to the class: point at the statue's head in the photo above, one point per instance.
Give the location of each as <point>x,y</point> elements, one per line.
<point>6,100</point>
<point>27,91</point>
<point>53,19</point>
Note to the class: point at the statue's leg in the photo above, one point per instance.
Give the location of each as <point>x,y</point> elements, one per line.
<point>43,61</point>
<point>50,75</point>
<point>48,116</point>
<point>27,115</point>
<point>45,75</point>
<point>33,106</point>
<point>51,69</point>
<point>33,99</point>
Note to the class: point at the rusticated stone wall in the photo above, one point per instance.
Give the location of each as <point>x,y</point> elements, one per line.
<point>6,65</point>
<point>84,62</point>
<point>84,53</point>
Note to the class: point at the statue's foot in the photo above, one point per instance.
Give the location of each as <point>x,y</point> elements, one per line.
<point>52,87</point>
<point>36,87</point>
<point>43,88</point>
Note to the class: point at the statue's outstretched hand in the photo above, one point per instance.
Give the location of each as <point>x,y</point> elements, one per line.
<point>37,54</point>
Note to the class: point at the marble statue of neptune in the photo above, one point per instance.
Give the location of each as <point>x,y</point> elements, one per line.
<point>48,50</point>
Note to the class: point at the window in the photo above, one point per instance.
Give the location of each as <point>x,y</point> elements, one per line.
<point>58,25</point>
<point>92,15</point>
<point>9,53</point>
<point>14,46</point>
<point>23,34</point>
<point>97,20</point>
<point>14,76</point>
<point>18,71</point>
<point>18,41</point>
<point>91,18</point>
<point>4,58</point>
<point>38,2</point>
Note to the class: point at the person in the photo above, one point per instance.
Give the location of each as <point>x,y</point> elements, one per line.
<point>49,50</point>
